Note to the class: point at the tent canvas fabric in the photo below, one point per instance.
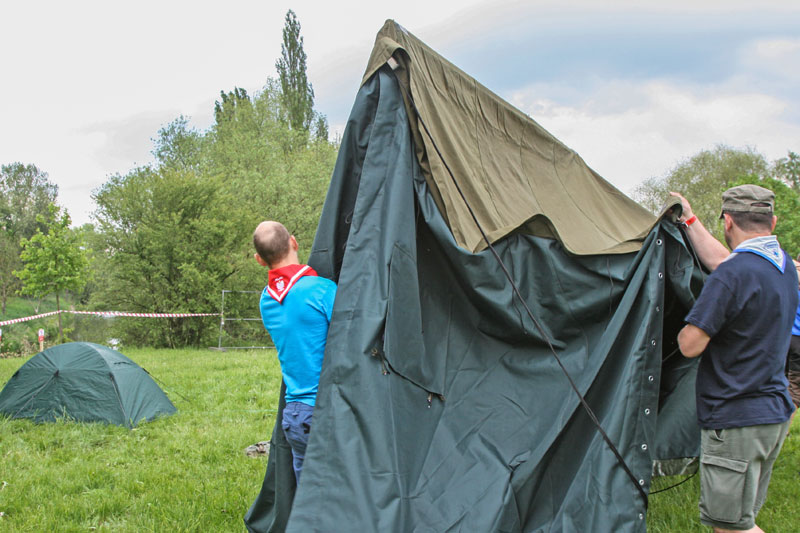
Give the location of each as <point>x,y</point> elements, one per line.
<point>441,406</point>
<point>515,174</point>
<point>85,382</point>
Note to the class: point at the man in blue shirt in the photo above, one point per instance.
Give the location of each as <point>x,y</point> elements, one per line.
<point>741,324</point>
<point>296,308</point>
<point>793,359</point>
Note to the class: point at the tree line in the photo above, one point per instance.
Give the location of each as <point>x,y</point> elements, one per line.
<point>703,178</point>
<point>169,236</point>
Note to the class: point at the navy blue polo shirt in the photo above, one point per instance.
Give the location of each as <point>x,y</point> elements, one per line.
<point>747,307</point>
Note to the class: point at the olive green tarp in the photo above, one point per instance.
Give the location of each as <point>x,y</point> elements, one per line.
<point>441,406</point>
<point>514,173</point>
<point>85,382</point>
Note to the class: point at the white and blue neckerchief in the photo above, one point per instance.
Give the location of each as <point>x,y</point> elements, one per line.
<point>766,247</point>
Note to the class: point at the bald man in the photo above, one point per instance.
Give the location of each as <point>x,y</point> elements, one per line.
<point>296,307</point>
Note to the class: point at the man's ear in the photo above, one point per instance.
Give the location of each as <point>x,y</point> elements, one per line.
<point>774,221</point>
<point>293,243</point>
<point>728,221</point>
<point>260,260</point>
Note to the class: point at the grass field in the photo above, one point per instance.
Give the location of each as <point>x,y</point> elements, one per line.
<point>675,510</point>
<point>188,472</point>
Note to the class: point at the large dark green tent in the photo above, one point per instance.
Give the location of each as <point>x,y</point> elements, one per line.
<point>442,405</point>
<point>85,382</point>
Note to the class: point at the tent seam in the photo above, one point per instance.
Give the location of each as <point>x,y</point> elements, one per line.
<point>119,401</point>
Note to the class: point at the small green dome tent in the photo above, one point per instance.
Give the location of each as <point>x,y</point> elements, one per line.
<point>84,381</point>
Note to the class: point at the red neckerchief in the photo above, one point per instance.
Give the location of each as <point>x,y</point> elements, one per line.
<point>282,279</point>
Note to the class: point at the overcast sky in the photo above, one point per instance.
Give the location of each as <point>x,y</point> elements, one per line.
<point>634,87</point>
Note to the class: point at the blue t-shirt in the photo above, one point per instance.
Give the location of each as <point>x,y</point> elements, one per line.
<point>796,325</point>
<point>299,329</point>
<point>747,307</point>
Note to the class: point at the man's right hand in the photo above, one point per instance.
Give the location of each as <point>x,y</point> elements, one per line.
<point>709,250</point>
<point>687,209</point>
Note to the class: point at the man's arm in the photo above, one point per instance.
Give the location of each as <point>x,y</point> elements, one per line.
<point>692,340</point>
<point>709,250</point>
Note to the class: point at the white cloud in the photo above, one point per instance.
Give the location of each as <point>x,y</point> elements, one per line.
<point>773,60</point>
<point>127,140</point>
<point>88,83</point>
<point>665,122</point>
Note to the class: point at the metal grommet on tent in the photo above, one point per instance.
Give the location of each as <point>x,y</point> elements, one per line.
<point>653,342</point>
<point>644,447</point>
<point>650,378</point>
<point>647,412</point>
<point>658,309</point>
<point>641,516</point>
<point>659,242</point>
<point>660,275</point>
<point>641,482</point>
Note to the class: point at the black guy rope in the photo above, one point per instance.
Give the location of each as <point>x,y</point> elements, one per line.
<point>164,385</point>
<point>673,486</point>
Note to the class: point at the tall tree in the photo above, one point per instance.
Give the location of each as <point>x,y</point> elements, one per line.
<point>54,261</point>
<point>320,127</point>
<point>173,234</point>
<point>179,146</point>
<point>701,179</point>
<point>226,108</point>
<point>264,164</point>
<point>9,263</point>
<point>25,192</point>
<point>787,209</point>
<point>787,169</point>
<point>297,95</point>
<point>171,238</point>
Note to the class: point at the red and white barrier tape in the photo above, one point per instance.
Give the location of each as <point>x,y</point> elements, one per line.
<point>25,319</point>
<point>106,314</point>
<point>144,315</point>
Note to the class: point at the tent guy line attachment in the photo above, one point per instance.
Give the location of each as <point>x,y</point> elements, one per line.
<point>165,385</point>
<point>636,482</point>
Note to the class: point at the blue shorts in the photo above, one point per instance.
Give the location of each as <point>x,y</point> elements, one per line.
<point>296,426</point>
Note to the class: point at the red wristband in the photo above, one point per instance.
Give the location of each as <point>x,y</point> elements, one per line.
<point>690,221</point>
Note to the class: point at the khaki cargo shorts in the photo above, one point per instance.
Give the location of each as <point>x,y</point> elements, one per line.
<point>735,467</point>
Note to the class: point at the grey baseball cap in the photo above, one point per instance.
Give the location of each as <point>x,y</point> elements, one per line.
<point>748,199</point>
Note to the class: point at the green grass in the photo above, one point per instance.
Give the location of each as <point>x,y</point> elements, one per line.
<point>188,472</point>
<point>18,306</point>
<point>676,509</point>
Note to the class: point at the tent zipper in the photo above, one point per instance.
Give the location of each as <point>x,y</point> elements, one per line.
<point>379,354</point>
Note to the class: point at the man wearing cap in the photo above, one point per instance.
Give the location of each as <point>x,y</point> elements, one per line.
<point>296,308</point>
<point>741,324</point>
